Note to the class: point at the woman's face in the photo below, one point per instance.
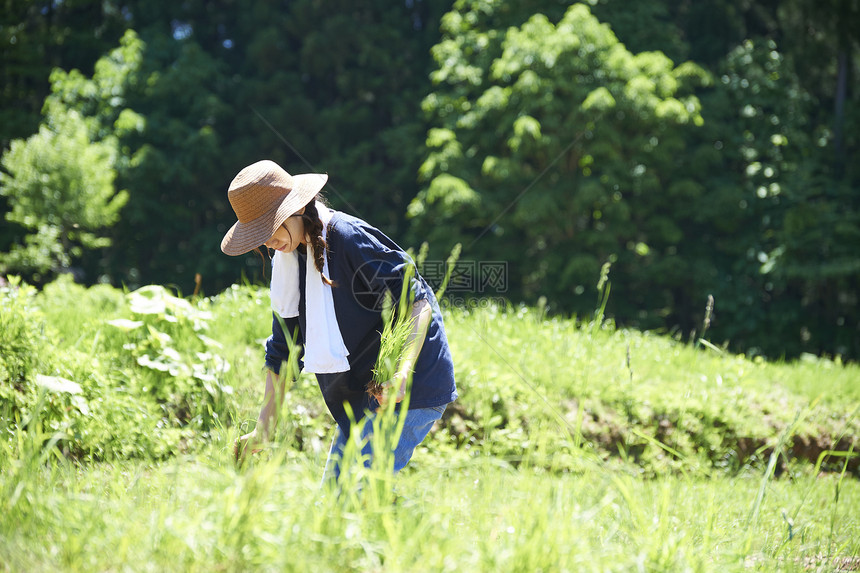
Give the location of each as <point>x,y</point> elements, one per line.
<point>289,235</point>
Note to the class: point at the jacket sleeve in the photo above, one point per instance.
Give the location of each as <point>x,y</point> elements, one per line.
<point>277,349</point>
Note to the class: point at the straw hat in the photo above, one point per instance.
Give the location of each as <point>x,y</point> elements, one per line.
<point>263,195</point>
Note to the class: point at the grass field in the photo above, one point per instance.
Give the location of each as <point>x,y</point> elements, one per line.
<point>198,514</point>
<point>575,446</point>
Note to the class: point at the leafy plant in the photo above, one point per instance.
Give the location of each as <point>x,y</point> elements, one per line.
<point>20,324</point>
<point>145,383</point>
<point>183,368</point>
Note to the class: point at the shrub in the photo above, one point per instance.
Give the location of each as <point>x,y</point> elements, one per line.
<point>178,364</point>
<point>19,335</point>
<point>105,375</point>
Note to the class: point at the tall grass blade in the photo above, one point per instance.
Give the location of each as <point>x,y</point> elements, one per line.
<point>450,263</point>
<point>752,518</point>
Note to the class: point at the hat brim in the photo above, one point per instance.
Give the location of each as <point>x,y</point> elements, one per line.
<point>244,237</point>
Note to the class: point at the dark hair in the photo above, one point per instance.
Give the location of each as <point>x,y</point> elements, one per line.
<point>314,231</point>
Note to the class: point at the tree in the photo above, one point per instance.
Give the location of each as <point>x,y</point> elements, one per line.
<point>60,182</point>
<point>221,85</point>
<point>60,185</point>
<point>778,218</point>
<point>38,36</point>
<point>550,149</point>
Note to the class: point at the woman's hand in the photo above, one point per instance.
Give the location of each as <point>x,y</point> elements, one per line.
<point>422,315</point>
<point>399,382</point>
<point>249,443</point>
<point>252,442</point>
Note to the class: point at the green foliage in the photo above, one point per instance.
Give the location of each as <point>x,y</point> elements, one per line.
<point>200,514</point>
<point>557,136</point>
<point>551,148</point>
<point>630,422</point>
<point>397,324</point>
<point>146,382</point>
<point>555,148</point>
<point>103,98</point>
<point>20,325</point>
<point>49,407</point>
<point>302,85</point>
<point>231,326</point>
<point>661,404</point>
<point>771,244</point>
<point>140,374</point>
<point>60,183</point>
<point>37,37</point>
<point>66,401</point>
<point>184,371</point>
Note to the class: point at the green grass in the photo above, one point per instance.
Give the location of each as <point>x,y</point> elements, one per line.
<point>574,447</point>
<point>198,513</point>
<point>622,390</point>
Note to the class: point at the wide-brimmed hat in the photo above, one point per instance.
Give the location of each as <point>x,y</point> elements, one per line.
<point>263,195</point>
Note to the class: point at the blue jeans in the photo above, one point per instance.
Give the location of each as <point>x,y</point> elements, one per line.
<point>415,428</point>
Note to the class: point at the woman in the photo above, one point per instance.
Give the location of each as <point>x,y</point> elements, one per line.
<point>330,272</point>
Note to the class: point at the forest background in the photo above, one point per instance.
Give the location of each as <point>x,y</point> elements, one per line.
<point>700,148</point>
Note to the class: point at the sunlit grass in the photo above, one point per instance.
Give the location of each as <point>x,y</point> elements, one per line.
<point>574,447</point>
<point>200,514</point>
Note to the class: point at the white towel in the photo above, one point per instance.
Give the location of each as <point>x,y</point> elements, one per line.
<point>325,351</point>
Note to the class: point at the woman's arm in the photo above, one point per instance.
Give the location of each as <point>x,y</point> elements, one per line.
<point>272,402</point>
<point>266,421</point>
<point>277,352</point>
<point>422,315</point>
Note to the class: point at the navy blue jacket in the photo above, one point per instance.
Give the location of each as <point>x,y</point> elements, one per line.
<point>363,263</point>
